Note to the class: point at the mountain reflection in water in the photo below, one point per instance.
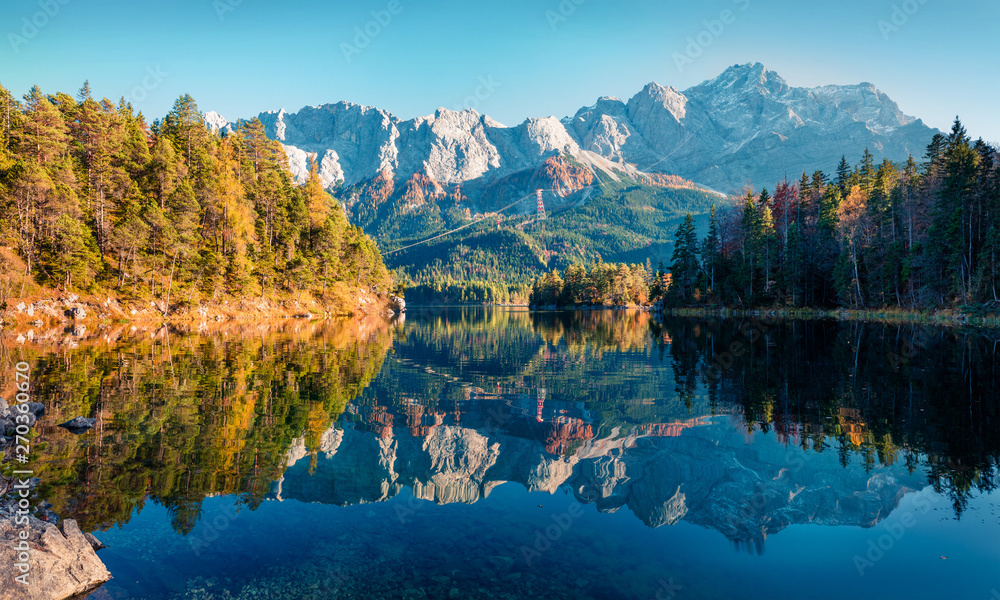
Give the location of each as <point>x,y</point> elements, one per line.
<point>741,427</point>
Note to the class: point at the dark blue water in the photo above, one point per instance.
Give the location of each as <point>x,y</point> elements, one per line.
<point>517,543</point>
<point>503,454</point>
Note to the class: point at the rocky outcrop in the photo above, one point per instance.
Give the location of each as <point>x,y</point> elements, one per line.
<point>65,317</point>
<point>63,564</point>
<point>397,303</point>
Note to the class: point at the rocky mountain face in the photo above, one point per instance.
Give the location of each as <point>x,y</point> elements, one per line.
<point>709,475</point>
<point>748,126</point>
<point>745,126</point>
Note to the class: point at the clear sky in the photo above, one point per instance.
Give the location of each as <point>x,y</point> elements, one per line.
<point>523,58</point>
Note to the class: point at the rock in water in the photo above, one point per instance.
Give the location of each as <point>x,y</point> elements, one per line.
<point>63,563</point>
<point>79,424</point>
<point>397,303</point>
<point>95,543</point>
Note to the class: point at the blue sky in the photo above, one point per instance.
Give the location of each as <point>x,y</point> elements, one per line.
<point>522,57</point>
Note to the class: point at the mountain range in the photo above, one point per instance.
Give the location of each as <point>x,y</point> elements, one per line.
<point>746,126</point>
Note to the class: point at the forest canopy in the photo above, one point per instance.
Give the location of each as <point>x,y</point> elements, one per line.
<point>94,199</point>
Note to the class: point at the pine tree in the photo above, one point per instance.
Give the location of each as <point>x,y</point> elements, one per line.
<point>711,251</point>
<point>44,134</point>
<point>318,201</point>
<point>753,247</point>
<point>684,261</point>
<point>950,251</point>
<point>185,127</point>
<point>844,175</point>
<point>866,173</point>
<point>9,112</point>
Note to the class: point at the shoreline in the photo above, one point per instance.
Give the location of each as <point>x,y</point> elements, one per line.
<point>78,313</point>
<point>930,318</point>
<point>936,318</point>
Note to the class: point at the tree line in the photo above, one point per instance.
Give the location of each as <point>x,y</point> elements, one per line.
<point>913,236</point>
<point>600,284</point>
<point>94,199</point>
<point>917,236</point>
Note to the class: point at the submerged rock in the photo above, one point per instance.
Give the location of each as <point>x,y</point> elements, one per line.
<point>79,424</point>
<point>63,563</point>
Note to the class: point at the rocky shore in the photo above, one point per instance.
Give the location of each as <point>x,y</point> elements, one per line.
<point>73,313</point>
<point>62,562</point>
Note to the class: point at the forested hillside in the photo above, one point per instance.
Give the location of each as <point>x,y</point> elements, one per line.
<point>498,258</point>
<point>917,235</point>
<point>914,236</point>
<point>95,200</point>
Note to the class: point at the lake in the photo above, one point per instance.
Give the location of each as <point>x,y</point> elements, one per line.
<point>501,453</point>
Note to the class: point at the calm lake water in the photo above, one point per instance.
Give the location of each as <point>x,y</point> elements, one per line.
<point>493,453</point>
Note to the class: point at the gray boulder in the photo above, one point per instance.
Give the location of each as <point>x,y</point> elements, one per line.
<point>79,425</point>
<point>27,418</point>
<point>63,563</point>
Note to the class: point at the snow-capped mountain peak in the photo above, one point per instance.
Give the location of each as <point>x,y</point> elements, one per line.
<point>216,122</point>
<point>746,125</point>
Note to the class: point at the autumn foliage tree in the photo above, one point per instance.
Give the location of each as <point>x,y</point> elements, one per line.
<point>93,198</point>
<point>912,235</point>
